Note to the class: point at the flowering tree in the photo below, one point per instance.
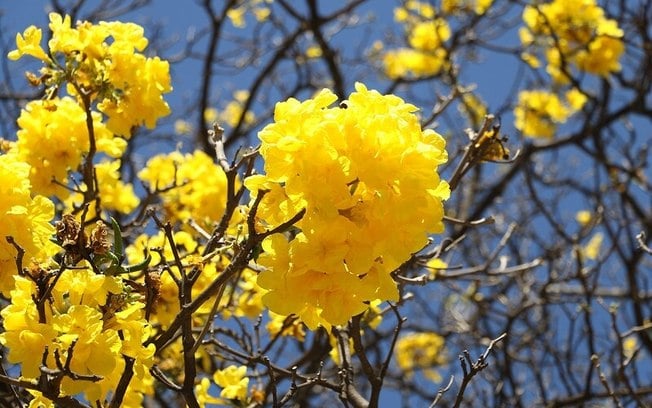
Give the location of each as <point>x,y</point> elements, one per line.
<point>332,212</point>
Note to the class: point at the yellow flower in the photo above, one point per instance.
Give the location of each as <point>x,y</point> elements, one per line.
<point>105,60</point>
<point>420,352</point>
<point>84,287</point>
<point>234,382</point>
<point>115,194</point>
<point>425,34</point>
<point>166,307</point>
<point>259,8</point>
<point>538,112</point>
<point>314,51</point>
<point>456,6</point>
<point>202,393</point>
<point>377,160</point>
<point>583,217</point>
<point>474,108</point>
<point>182,127</point>
<point>435,265</point>
<point>90,325</point>
<point>53,138</point>
<point>335,353</point>
<point>575,99</point>
<point>25,218</point>
<point>142,83</point>
<point>576,30</point>
<point>39,401</point>
<point>429,35</point>
<point>415,8</point>
<point>232,111</point>
<point>64,38</point>
<point>405,62</point>
<point>210,115</point>
<point>592,248</point>
<point>197,185</point>
<point>250,300</point>
<point>23,335</point>
<point>29,44</point>
<point>630,345</point>
<point>95,351</point>
<point>236,15</point>
<point>261,13</point>
<point>280,325</point>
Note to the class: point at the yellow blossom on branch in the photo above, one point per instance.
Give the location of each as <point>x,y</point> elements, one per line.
<point>103,62</point>
<point>93,340</point>
<point>233,110</point>
<point>593,248</point>
<point>382,200</point>
<point>29,43</point>
<point>426,35</point>
<point>195,186</point>
<point>538,112</point>
<point>24,218</point>
<point>234,382</point>
<point>259,8</point>
<point>575,33</point>
<point>420,352</point>
<point>584,217</point>
<point>457,6</point>
<point>53,137</point>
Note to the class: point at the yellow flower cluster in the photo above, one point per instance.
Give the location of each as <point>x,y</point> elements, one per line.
<point>593,248</point>
<point>233,381</point>
<point>366,174</point>
<point>426,34</point>
<point>575,33</point>
<point>90,321</point>
<point>193,186</point>
<point>108,66</point>
<point>420,352</point>
<point>25,218</point>
<point>259,8</point>
<point>584,217</point>
<point>116,194</point>
<point>280,325</point>
<point>457,6</point>
<point>89,324</point>
<point>232,111</point>
<point>101,66</point>
<point>248,300</point>
<point>52,139</point>
<point>166,306</point>
<point>537,113</point>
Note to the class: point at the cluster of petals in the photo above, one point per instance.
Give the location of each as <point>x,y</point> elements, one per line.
<point>538,112</point>
<point>107,65</point>
<point>166,307</point>
<point>422,351</point>
<point>25,218</point>
<point>366,175</point>
<point>426,32</point>
<point>572,33</point>
<point>53,138</point>
<point>192,185</point>
<point>79,325</point>
<point>457,6</point>
<point>88,325</point>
